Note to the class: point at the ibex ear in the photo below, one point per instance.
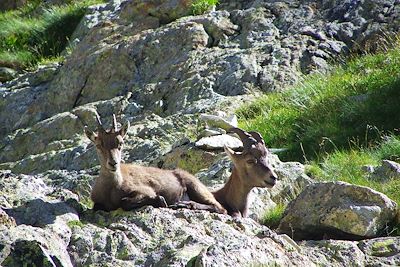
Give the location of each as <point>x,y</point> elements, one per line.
<point>91,135</point>
<point>124,129</point>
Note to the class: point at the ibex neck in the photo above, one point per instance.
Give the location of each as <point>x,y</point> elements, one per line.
<point>114,177</point>
<point>235,193</point>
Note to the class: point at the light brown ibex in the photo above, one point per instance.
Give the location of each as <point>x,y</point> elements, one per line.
<point>251,169</point>
<point>130,186</point>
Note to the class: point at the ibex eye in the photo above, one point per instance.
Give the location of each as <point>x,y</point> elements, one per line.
<point>252,161</point>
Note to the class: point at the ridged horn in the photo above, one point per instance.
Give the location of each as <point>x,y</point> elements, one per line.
<point>246,138</point>
<point>99,124</point>
<point>114,124</point>
<point>258,137</point>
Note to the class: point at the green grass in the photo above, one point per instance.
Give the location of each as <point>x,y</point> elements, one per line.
<point>272,217</point>
<point>201,6</point>
<point>355,105</point>
<point>346,166</point>
<point>36,32</point>
<point>337,123</point>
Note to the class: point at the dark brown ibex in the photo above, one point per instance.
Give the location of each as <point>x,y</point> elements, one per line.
<point>130,186</point>
<point>251,169</point>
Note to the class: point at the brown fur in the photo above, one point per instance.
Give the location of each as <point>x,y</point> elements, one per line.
<point>251,169</point>
<point>131,186</point>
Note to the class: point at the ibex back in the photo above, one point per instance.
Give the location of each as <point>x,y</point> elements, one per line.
<point>130,186</point>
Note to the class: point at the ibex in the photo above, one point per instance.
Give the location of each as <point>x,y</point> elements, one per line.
<point>130,186</point>
<point>251,169</point>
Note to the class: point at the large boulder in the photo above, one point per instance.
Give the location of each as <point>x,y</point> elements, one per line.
<point>338,210</point>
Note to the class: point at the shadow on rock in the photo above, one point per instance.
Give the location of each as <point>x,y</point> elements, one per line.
<point>39,213</point>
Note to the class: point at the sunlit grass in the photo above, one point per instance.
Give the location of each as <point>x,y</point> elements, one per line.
<point>36,32</point>
<point>356,104</point>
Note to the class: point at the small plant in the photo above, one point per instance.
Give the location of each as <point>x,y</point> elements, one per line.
<point>272,217</point>
<point>201,6</point>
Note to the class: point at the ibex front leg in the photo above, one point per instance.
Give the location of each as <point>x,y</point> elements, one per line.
<point>138,200</point>
<point>194,206</point>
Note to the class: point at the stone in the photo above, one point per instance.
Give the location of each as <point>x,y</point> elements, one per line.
<point>5,220</point>
<point>387,171</point>
<point>187,157</point>
<point>211,132</point>
<point>337,210</point>
<point>7,74</point>
<point>218,142</point>
<point>218,121</point>
<point>151,64</point>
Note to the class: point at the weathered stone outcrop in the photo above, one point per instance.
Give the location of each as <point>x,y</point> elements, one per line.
<point>338,210</point>
<point>152,64</point>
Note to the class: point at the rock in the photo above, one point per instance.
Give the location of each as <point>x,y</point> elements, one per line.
<point>337,210</point>
<point>43,248</point>
<point>177,238</point>
<point>217,142</point>
<point>7,74</point>
<point>211,132</point>
<point>334,253</point>
<point>218,121</point>
<point>5,220</point>
<point>387,171</point>
<point>11,4</point>
<point>149,63</point>
<point>187,157</point>
<point>217,173</point>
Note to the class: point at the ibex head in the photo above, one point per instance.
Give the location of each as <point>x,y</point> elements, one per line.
<point>252,163</point>
<point>108,143</point>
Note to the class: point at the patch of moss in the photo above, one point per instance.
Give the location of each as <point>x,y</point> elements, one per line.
<point>383,248</point>
<point>75,223</point>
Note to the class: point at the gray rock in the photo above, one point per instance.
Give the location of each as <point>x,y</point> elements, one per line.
<point>218,121</point>
<point>217,142</point>
<point>211,132</point>
<point>7,74</point>
<point>158,68</point>
<point>337,210</point>
<point>387,171</point>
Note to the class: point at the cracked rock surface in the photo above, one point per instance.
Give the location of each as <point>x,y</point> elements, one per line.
<point>151,63</point>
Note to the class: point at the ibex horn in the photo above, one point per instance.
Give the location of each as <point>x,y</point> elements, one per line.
<point>114,124</point>
<point>246,138</point>
<point>99,124</point>
<point>258,137</point>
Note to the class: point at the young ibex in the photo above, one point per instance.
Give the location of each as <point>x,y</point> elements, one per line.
<point>130,186</point>
<point>251,169</point>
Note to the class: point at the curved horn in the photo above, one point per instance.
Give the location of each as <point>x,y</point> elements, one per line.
<point>258,137</point>
<point>114,124</point>
<point>246,138</point>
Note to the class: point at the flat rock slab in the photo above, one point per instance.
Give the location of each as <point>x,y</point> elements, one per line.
<point>218,142</point>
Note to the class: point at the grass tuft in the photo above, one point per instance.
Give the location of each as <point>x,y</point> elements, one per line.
<point>37,32</point>
<point>272,217</point>
<point>201,6</point>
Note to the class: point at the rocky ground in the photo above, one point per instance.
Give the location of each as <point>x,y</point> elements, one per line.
<point>159,68</point>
